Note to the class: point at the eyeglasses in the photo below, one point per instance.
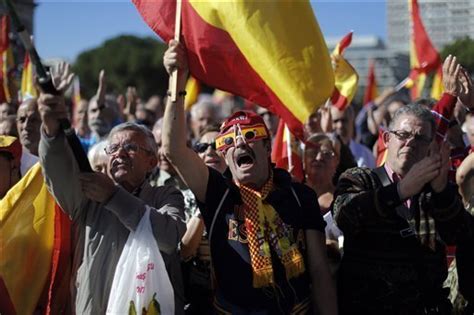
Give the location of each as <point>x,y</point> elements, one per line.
<point>325,154</point>
<point>130,148</point>
<point>248,134</point>
<point>403,135</point>
<point>201,147</point>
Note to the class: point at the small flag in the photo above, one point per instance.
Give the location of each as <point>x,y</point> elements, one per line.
<point>346,78</point>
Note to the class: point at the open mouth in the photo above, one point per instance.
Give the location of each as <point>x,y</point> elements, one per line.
<point>244,160</point>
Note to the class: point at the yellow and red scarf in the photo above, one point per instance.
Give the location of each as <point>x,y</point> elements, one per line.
<point>264,229</point>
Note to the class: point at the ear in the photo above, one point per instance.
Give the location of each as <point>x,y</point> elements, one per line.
<point>152,162</point>
<point>386,138</point>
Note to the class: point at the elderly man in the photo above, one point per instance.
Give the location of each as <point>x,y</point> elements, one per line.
<point>203,114</point>
<point>266,233</point>
<point>106,208</point>
<point>28,125</point>
<point>396,220</point>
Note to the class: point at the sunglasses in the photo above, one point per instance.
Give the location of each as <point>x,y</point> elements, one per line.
<point>201,147</point>
<point>249,134</point>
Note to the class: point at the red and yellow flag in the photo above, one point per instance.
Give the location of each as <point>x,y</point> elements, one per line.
<point>193,88</point>
<point>346,78</point>
<point>371,89</point>
<point>271,53</point>
<point>28,89</point>
<point>35,249</point>
<point>7,62</point>
<point>437,87</point>
<point>285,152</point>
<point>424,58</point>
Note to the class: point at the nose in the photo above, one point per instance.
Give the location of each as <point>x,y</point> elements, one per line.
<point>239,141</point>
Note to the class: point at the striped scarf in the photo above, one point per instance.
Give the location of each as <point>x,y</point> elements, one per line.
<point>264,229</point>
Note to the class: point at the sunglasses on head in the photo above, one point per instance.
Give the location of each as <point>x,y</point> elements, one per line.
<point>201,147</point>
<point>249,134</point>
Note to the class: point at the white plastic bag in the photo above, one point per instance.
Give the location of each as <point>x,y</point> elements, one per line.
<point>141,280</point>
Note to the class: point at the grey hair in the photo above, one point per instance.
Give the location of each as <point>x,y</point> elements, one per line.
<point>417,110</point>
<point>97,151</point>
<point>150,140</point>
<point>202,105</point>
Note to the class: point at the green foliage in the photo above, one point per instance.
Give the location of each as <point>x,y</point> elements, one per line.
<point>463,49</point>
<point>128,61</point>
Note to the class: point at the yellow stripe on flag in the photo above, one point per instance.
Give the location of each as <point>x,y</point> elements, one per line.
<point>26,240</point>
<point>291,57</point>
<point>192,92</point>
<point>28,89</point>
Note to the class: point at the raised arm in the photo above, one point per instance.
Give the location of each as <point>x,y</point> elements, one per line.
<point>187,163</point>
<point>59,166</point>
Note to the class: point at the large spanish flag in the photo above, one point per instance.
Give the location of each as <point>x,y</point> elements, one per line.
<point>35,250</point>
<point>269,52</point>
<point>346,78</point>
<point>28,88</point>
<point>424,59</point>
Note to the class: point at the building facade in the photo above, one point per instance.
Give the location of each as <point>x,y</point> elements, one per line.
<point>445,21</point>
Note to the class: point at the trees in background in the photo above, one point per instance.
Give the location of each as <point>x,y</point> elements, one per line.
<point>128,61</point>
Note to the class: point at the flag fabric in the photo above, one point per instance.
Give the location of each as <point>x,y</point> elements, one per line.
<point>28,89</point>
<point>437,87</point>
<point>424,58</point>
<point>286,153</point>
<point>371,89</point>
<point>35,247</point>
<point>345,76</point>
<point>193,88</point>
<point>7,63</point>
<point>271,53</point>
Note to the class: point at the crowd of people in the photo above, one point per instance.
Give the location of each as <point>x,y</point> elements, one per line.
<point>387,188</point>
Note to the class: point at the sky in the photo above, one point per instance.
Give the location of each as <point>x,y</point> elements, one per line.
<point>65,28</point>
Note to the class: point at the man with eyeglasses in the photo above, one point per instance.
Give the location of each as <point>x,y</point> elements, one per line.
<point>266,233</point>
<point>105,208</point>
<point>396,220</point>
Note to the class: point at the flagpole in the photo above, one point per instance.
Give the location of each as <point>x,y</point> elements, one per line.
<point>401,84</point>
<point>177,33</point>
<point>288,149</point>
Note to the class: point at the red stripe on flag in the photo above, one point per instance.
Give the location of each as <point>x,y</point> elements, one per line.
<point>228,72</point>
<point>428,57</point>
<point>345,42</point>
<point>58,293</point>
<point>339,100</point>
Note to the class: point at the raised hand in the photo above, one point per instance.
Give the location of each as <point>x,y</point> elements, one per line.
<point>451,70</point>
<point>131,102</point>
<point>419,175</point>
<point>62,76</point>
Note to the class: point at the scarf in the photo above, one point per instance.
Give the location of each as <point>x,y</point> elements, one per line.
<point>264,229</point>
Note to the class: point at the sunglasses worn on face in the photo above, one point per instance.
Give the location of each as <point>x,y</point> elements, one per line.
<point>130,148</point>
<point>249,134</point>
<point>201,147</point>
